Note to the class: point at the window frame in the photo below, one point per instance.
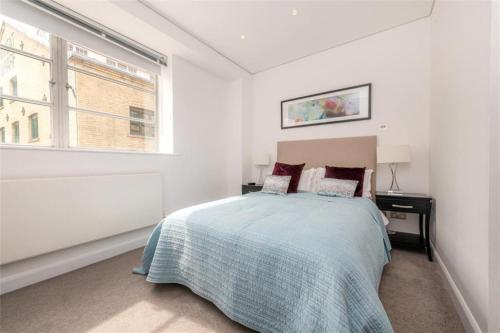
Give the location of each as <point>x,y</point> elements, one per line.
<point>59,107</point>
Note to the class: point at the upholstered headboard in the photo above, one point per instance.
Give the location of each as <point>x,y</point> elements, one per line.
<point>343,152</point>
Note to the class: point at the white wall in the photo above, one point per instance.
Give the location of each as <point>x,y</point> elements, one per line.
<point>460,102</point>
<point>207,136</point>
<point>204,146</point>
<point>396,62</point>
<point>494,226</point>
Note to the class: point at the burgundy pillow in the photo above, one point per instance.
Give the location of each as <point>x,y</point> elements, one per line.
<point>282,169</point>
<point>347,173</point>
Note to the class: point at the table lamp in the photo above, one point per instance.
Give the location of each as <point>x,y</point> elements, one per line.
<point>261,160</point>
<point>393,155</point>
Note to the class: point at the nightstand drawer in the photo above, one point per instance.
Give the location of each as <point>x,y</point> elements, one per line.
<point>402,205</point>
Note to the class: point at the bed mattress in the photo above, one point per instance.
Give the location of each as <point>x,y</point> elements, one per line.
<point>295,263</point>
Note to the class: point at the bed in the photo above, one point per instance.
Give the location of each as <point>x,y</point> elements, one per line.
<point>295,263</point>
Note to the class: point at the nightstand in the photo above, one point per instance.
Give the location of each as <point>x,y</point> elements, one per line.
<point>250,188</point>
<point>420,204</point>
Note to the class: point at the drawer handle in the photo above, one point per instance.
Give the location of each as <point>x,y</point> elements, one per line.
<point>401,206</point>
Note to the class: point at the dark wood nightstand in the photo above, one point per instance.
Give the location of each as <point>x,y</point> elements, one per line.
<point>250,188</point>
<point>420,204</point>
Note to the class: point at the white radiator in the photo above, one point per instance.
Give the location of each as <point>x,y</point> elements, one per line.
<point>41,215</point>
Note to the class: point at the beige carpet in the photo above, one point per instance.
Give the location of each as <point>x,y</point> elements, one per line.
<point>106,297</point>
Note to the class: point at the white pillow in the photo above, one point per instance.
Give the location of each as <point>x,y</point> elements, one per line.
<point>318,175</point>
<point>367,184</point>
<point>306,178</point>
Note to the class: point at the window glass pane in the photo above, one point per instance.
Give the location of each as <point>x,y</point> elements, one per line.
<point>24,37</point>
<point>24,77</point>
<point>16,121</point>
<point>91,93</point>
<point>97,63</point>
<point>89,130</point>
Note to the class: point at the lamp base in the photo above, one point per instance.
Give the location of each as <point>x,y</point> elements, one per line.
<point>394,189</point>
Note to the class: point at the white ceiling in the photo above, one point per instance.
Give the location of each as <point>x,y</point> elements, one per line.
<point>273,36</point>
<point>134,20</point>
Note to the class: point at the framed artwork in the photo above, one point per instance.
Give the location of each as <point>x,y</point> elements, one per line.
<point>341,105</point>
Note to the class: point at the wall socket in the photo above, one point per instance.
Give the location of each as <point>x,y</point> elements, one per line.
<point>398,215</point>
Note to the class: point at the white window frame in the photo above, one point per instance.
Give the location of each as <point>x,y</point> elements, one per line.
<point>59,106</point>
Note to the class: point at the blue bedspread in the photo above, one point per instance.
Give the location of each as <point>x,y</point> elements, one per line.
<point>295,263</point>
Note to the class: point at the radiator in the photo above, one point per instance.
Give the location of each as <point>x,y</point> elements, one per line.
<point>42,215</point>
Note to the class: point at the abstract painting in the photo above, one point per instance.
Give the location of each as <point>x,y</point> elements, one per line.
<point>347,104</point>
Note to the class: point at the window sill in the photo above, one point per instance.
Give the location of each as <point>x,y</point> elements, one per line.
<point>80,150</point>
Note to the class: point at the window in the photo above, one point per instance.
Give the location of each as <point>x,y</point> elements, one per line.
<point>13,86</point>
<point>15,132</point>
<point>34,126</point>
<point>2,135</point>
<point>99,92</point>
<point>143,127</point>
<point>99,112</point>
<point>26,69</point>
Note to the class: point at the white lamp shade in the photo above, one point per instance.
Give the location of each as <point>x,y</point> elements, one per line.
<point>393,154</point>
<point>261,159</point>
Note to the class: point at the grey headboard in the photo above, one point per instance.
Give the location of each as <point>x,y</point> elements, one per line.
<point>358,151</point>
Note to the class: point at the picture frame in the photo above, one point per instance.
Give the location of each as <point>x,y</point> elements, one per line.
<point>335,106</point>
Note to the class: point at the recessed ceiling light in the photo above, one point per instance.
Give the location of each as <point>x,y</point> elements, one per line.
<point>242,37</point>
<point>295,12</point>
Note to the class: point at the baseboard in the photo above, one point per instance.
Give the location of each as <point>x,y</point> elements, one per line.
<point>468,320</point>
<point>21,274</point>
